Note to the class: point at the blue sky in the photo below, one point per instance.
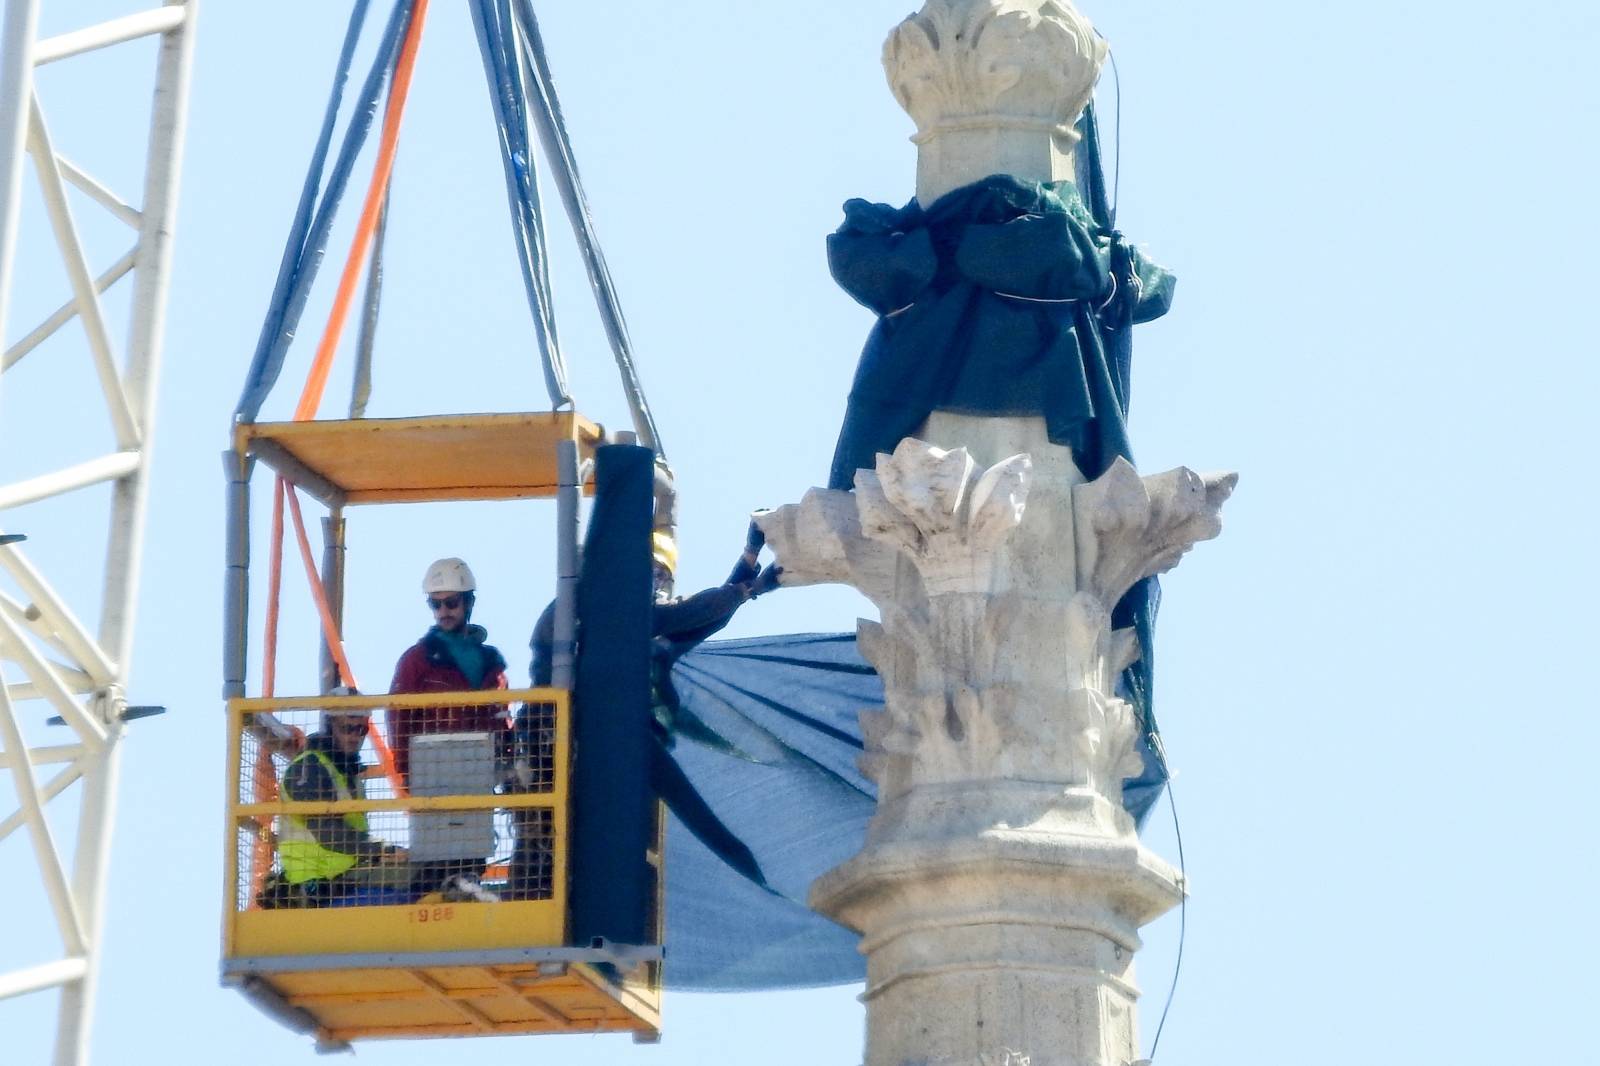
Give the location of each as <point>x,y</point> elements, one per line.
<point>1373,685</point>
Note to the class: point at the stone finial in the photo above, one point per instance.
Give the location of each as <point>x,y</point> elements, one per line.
<point>994,86</point>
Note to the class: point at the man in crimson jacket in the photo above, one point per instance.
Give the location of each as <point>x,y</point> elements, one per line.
<point>452,656</point>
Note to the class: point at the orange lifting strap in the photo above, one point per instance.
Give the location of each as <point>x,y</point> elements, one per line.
<point>317,379</point>
<point>330,630</point>
<point>265,783</point>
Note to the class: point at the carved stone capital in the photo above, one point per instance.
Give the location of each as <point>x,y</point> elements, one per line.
<point>985,678</point>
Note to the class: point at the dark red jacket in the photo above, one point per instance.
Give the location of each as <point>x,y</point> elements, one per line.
<point>427,667</point>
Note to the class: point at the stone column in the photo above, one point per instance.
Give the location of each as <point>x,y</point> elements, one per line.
<point>1002,886</point>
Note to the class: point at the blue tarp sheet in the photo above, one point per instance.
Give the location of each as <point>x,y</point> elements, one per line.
<point>791,705</point>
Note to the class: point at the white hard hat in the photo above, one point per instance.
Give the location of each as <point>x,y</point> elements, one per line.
<point>449,575</point>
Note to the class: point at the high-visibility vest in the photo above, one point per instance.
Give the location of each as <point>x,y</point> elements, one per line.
<point>302,857</point>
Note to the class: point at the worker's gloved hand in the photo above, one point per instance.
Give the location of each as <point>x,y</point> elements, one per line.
<point>754,538</point>
<point>766,581</point>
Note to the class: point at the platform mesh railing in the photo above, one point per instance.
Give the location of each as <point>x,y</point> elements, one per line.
<point>380,800</point>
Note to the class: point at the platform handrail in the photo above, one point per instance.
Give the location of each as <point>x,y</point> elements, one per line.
<point>258,718</point>
<point>478,801</point>
<point>407,700</point>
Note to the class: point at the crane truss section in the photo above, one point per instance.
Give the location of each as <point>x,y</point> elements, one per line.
<point>52,663</point>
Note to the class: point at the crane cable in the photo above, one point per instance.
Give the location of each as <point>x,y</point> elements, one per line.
<point>294,285</point>
<point>317,378</point>
<point>557,145</point>
<point>263,776</point>
<point>508,95</point>
<point>361,380</point>
<point>1152,734</point>
<point>366,225</point>
<point>313,220</point>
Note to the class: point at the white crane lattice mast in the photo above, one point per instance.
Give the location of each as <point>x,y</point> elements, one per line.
<point>51,661</point>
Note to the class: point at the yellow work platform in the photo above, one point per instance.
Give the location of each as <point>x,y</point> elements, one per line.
<point>421,967</point>
<point>420,460</point>
<point>455,994</point>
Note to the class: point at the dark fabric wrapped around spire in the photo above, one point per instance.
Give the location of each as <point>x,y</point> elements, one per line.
<point>992,301</point>
<point>1004,298</point>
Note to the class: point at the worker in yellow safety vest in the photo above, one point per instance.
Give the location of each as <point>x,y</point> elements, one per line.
<point>335,859</point>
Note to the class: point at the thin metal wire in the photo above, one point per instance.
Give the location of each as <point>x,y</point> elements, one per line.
<point>1160,749</point>
<point>1156,743</point>
<point>1116,133</point>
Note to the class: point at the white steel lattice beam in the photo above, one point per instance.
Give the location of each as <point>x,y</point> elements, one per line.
<point>48,856</point>
<point>97,192</point>
<point>115,31</point>
<point>54,188</point>
<point>50,659</point>
<point>39,978</point>
<point>52,788</point>
<point>52,613</point>
<point>66,312</point>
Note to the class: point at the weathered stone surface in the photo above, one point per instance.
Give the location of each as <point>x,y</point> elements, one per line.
<point>998,662</point>
<point>1002,886</point>
<point>994,86</point>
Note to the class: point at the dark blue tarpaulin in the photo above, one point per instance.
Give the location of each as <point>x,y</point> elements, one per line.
<point>791,707</point>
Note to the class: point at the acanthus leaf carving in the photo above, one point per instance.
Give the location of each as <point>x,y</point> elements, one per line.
<point>987,676</point>
<point>1129,527</point>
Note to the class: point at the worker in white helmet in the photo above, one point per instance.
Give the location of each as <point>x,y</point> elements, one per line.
<point>453,656</point>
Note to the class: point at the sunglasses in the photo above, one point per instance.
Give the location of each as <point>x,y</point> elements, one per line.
<point>351,727</point>
<point>449,603</point>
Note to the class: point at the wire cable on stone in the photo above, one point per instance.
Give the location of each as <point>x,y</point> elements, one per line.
<point>1183,900</point>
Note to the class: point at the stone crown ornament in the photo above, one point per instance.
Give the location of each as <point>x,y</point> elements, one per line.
<point>976,64</point>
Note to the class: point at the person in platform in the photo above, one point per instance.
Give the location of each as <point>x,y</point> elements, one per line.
<point>334,860</point>
<point>452,656</point>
